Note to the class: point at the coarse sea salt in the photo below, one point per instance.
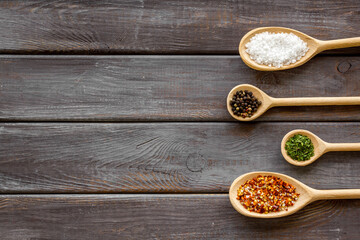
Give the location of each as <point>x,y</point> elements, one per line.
<point>276,49</point>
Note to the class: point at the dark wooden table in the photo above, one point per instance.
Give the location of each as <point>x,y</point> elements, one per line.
<point>114,123</point>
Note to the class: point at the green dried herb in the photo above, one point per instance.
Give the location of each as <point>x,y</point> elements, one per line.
<point>299,147</point>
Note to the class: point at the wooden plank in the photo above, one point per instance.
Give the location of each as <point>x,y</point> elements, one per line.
<point>145,26</point>
<point>161,157</point>
<point>165,217</point>
<point>164,88</point>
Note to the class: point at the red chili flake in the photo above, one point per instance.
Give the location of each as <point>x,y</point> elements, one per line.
<point>264,194</point>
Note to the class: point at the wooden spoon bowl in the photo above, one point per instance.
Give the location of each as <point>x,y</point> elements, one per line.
<point>319,147</point>
<point>315,46</point>
<point>307,195</point>
<point>260,95</point>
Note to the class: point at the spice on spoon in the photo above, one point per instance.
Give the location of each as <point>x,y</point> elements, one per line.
<point>265,194</point>
<point>244,103</point>
<point>299,148</point>
<point>276,49</point>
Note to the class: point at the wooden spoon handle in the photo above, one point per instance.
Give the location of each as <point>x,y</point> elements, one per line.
<point>338,147</point>
<point>339,43</point>
<point>337,194</point>
<point>315,101</point>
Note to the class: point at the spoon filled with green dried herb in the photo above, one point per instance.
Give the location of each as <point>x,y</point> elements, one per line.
<point>301,147</point>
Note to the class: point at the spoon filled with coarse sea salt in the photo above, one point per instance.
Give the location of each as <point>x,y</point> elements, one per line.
<point>278,48</point>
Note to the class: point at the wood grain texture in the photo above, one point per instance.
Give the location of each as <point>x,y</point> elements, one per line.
<point>164,88</point>
<point>165,217</point>
<point>162,157</point>
<point>146,26</point>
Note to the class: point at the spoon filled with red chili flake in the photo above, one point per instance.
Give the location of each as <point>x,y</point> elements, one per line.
<point>264,194</point>
<point>273,195</point>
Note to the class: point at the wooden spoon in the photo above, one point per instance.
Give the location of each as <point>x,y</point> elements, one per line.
<point>269,102</point>
<point>307,195</point>
<point>320,147</point>
<point>315,46</point>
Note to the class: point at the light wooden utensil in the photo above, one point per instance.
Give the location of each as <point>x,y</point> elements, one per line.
<point>307,195</point>
<point>315,46</point>
<point>320,147</point>
<point>269,102</point>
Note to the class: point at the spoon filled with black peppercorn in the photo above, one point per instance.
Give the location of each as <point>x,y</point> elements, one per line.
<point>246,102</point>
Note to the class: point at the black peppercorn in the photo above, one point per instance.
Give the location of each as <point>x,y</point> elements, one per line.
<point>244,103</point>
